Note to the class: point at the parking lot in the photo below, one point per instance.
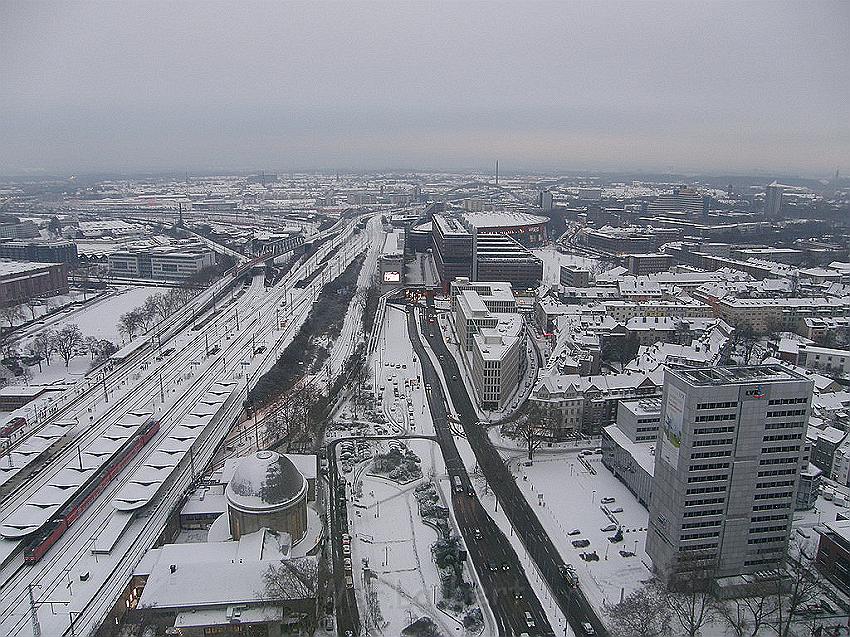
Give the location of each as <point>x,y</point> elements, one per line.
<point>581,511</point>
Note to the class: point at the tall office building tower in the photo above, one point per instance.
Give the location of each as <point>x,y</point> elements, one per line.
<point>772,200</point>
<point>730,449</point>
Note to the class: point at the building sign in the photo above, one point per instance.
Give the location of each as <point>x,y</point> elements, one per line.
<point>392,277</point>
<point>674,416</point>
<point>755,393</point>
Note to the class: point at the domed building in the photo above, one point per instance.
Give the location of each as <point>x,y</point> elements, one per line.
<point>267,491</point>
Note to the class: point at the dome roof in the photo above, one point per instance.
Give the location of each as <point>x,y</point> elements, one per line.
<point>265,480</point>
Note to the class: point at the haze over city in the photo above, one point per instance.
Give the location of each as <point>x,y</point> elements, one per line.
<point>638,86</point>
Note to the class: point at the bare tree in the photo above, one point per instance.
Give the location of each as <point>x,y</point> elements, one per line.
<point>67,341</point>
<point>644,613</point>
<point>43,345</point>
<point>531,428</point>
<point>746,616</point>
<point>11,313</point>
<point>799,589</point>
<point>129,323</point>
<point>291,579</point>
<point>32,303</point>
<point>690,601</point>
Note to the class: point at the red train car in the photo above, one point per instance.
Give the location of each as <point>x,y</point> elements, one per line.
<point>62,520</point>
<point>12,426</point>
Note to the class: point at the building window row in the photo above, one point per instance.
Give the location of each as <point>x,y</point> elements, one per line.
<point>783,449</point>
<point>788,412</point>
<point>766,461</point>
<point>699,547</point>
<point>717,405</point>
<point>784,425</point>
<point>773,437</point>
<point>708,465</point>
<point>711,478</point>
<point>773,496</point>
<point>768,529</point>
<point>777,472</point>
<point>700,536</point>
<point>704,501</point>
<point>714,417</point>
<point>765,540</point>
<point>704,513</point>
<point>768,518</point>
<point>696,490</point>
<point>700,525</point>
<point>712,443</point>
<point>769,507</point>
<point>643,421</point>
<point>710,454</point>
<point>788,401</point>
<point>775,483</point>
<point>714,430</point>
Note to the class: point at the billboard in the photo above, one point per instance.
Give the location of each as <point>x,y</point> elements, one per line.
<point>674,417</point>
<point>392,277</point>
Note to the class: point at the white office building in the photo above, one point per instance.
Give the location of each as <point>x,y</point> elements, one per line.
<point>730,450</point>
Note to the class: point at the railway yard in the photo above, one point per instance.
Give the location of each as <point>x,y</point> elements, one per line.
<point>90,486</point>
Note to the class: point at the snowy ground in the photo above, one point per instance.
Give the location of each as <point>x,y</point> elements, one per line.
<point>390,537</point>
<point>553,260</point>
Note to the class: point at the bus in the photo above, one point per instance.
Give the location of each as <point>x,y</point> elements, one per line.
<point>458,484</point>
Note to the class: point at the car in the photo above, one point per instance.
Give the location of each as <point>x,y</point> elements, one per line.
<point>587,628</point>
<point>608,500</point>
<point>626,553</point>
<point>575,532</point>
<point>491,566</point>
<point>609,528</point>
<point>517,595</point>
<point>347,563</point>
<point>580,544</point>
<point>454,377</point>
<point>529,620</point>
<point>590,556</point>
<point>477,534</point>
<point>506,566</point>
<point>427,385</point>
<point>346,549</point>
<point>617,510</point>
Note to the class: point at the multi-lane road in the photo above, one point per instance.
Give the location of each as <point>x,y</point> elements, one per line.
<point>571,600</point>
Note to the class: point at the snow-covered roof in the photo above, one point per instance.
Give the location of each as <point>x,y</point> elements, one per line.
<point>265,480</point>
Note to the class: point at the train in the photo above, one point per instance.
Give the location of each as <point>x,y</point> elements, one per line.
<point>12,426</point>
<point>62,520</point>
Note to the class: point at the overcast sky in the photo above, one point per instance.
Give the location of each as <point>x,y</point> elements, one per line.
<point>683,86</point>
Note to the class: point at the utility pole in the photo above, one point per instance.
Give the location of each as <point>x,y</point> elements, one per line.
<point>237,319</point>
<point>80,457</point>
<point>36,627</point>
<point>161,389</point>
<point>105,393</point>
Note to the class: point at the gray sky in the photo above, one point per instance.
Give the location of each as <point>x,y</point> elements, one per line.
<point>684,86</point>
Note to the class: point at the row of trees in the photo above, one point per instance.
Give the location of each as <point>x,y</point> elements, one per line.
<point>778,607</point>
<point>67,343</point>
<point>156,308</point>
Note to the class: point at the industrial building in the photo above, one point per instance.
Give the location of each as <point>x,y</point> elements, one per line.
<point>39,251</point>
<point>22,280</point>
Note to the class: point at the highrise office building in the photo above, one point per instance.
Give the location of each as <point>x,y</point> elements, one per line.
<point>730,448</point>
<point>772,200</point>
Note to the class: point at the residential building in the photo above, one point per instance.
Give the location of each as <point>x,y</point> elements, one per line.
<point>773,200</point>
<point>641,264</point>
<point>726,470</point>
<point>574,276</point>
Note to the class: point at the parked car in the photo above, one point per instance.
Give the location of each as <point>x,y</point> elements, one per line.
<point>609,528</point>
<point>575,532</point>
<point>587,628</point>
<point>580,544</point>
<point>608,500</point>
<point>617,510</point>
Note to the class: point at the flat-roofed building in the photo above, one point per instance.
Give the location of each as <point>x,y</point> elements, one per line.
<point>22,280</point>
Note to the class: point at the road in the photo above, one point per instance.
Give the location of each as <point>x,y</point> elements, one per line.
<point>572,601</point>
<point>507,588</point>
